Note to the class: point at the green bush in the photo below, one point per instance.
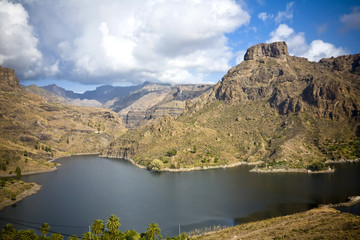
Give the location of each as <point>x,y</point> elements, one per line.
<point>171,152</point>
<point>316,166</point>
<point>13,196</point>
<point>156,165</point>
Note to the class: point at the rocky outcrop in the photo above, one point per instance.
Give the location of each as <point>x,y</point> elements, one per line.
<point>155,105</point>
<point>273,50</point>
<point>349,63</point>
<point>9,80</point>
<point>120,149</point>
<point>291,84</point>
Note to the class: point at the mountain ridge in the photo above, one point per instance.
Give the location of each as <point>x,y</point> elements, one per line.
<point>281,110</point>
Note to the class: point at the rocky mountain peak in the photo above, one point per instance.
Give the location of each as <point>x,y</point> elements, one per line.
<point>275,50</point>
<point>8,79</point>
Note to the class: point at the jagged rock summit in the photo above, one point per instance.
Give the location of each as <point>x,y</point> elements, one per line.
<point>9,81</point>
<point>274,50</point>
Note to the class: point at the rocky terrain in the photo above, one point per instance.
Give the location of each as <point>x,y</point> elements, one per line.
<point>35,129</point>
<point>283,111</point>
<point>136,105</point>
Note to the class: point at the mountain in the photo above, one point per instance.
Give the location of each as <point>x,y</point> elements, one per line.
<point>136,105</point>
<point>36,128</point>
<point>62,92</point>
<point>49,96</point>
<point>276,110</point>
<point>154,101</point>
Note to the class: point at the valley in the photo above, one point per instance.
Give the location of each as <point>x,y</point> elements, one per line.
<point>275,112</point>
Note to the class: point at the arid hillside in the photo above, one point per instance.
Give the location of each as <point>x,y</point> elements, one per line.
<point>34,129</point>
<point>279,111</point>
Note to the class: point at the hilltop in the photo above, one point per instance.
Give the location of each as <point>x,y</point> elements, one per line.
<point>273,109</point>
<point>35,129</point>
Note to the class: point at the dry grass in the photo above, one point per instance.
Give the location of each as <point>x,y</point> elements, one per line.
<point>319,223</point>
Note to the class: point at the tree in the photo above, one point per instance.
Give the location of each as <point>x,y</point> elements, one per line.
<point>153,230</point>
<point>3,182</point>
<point>194,149</point>
<point>171,152</point>
<point>7,232</point>
<point>97,227</point>
<point>56,236</point>
<point>73,237</point>
<point>18,172</point>
<point>88,236</point>
<point>25,235</point>
<point>113,223</point>
<point>156,165</point>
<point>132,235</point>
<point>45,228</point>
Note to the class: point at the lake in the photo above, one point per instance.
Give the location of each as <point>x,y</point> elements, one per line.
<point>86,188</point>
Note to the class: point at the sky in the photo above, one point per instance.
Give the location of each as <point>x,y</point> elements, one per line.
<point>81,44</point>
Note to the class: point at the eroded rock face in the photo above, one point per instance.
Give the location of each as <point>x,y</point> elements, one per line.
<point>8,79</point>
<point>292,84</point>
<point>274,50</point>
<point>349,63</point>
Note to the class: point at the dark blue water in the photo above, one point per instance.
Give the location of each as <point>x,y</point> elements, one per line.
<point>86,188</point>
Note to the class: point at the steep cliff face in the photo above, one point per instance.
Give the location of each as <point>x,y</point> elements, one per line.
<point>273,50</point>
<point>8,79</point>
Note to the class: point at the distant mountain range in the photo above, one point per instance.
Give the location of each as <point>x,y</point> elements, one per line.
<point>135,104</point>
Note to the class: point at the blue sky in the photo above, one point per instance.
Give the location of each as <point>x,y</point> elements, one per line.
<point>81,44</point>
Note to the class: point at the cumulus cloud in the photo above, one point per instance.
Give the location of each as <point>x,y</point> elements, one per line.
<point>352,20</point>
<point>169,41</point>
<point>240,56</point>
<point>285,15</point>
<point>264,16</point>
<point>297,44</point>
<point>18,44</point>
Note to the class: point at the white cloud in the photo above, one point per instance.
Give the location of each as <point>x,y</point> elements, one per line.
<point>240,56</point>
<point>264,16</point>
<point>298,47</point>
<point>352,20</point>
<point>286,15</point>
<point>18,44</point>
<point>138,40</point>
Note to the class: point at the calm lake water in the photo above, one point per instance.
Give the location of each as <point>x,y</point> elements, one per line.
<point>86,188</point>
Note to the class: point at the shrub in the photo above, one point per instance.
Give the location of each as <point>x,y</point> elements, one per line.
<point>3,167</point>
<point>25,153</point>
<point>316,166</point>
<point>156,165</point>
<point>13,196</point>
<point>171,152</point>
<point>18,172</point>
